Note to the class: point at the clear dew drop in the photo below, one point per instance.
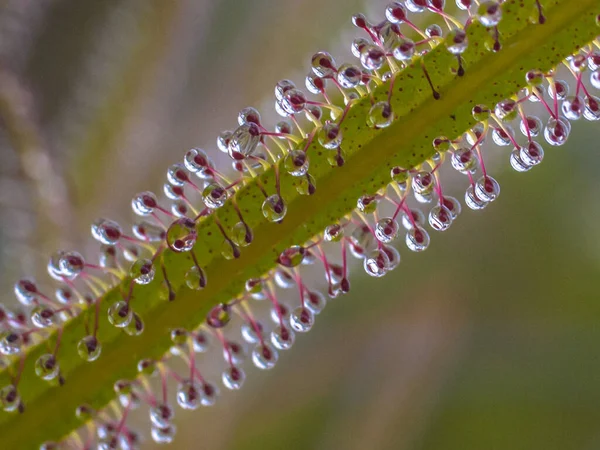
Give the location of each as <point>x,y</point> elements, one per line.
<point>440,218</point>
<point>46,367</point>
<point>323,64</point>
<point>181,235</point>
<point>188,395</point>
<point>142,271</point>
<point>219,316</point>
<point>274,208</point>
<point>302,319</point>
<point>456,41</point>
<point>135,327</point>
<point>423,183</point>
<point>502,136</point>
<point>241,234</point>
<point>282,87</point>
<point>214,196</point>
<point>487,188</point>
<point>404,50</point>
<point>573,107</point>
<point>592,108</point>
<point>372,57</point>
<point>557,132</point>
<point>235,351</point>
<point>200,341</point>
<point>208,394</point>
<point>307,185</point>
<point>330,136</point>
<point>463,160</point>
<point>292,256</point>
<point>265,356</point>
<point>417,239</point>
<point>9,398</point>
<point>296,163</point>
<point>195,278</point>
<point>10,343</point>
<point>473,201</point>
<point>416,6</point>
<point>314,301</point>
<point>89,348</point>
<point>293,102</point>
<point>249,333</point>
<point>120,314</point>
<point>106,231</point>
<point>517,163</point>
<point>42,317</point>
<point>532,125</point>
<point>386,230</point>
<point>376,263</point>
<point>144,203</point>
<point>163,435</point>
<point>531,154</point>
<point>380,115</point>
<point>349,76</point>
<point>283,279</point>
<point>282,337</point>
<point>506,110</point>
<point>71,264</point>
<point>161,415</point>
<point>149,232</point>
<point>233,378</point>
<point>243,141</point>
<point>490,13</point>
<point>393,256</point>
<point>26,291</point>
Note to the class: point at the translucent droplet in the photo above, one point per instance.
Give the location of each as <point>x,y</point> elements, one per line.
<point>302,319</point>
<point>274,208</point>
<point>395,12</point>
<point>282,87</point>
<point>372,57</point>
<point>330,136</point>
<point>456,41</point>
<point>296,163</point>
<point>417,239</point>
<point>364,241</point>
<point>26,291</point>
<point>434,31</point>
<point>517,163</point>
<point>357,45</point>
<point>120,314</point>
<point>233,378</point>
<point>195,278</point>
<point>71,264</point>
<point>423,183</point>
<point>333,233</point>
<point>559,90</point>
<point>386,230</point>
<point>307,185</point>
<point>250,334</point>
<point>219,316</point>
<point>463,160</point>
<point>292,257</point>
<point>161,415</point>
<point>106,231</point>
<point>46,367</point>
<point>416,6</point>
<point>592,108</point>
<point>380,115</point>
<point>146,231</point>
<point>10,343</point>
<point>376,263</point>
<point>142,271</point>
<point>314,84</point>
<point>531,154</point>
<point>453,205</point>
<point>181,235</point>
<point>249,115</point>
<point>200,341</point>
<point>367,204</point>
<point>490,13</point>
<point>9,398</point>
<point>282,338</point>
<point>188,395</point>
<point>283,279</point>
<point>465,5</point>
<point>214,196</point>
<point>487,188</point>
<point>573,107</point>
<point>323,64</point>
<point>144,203</point>
<point>89,348</point>
<point>164,435</point>
<point>404,50</point>
<point>293,101</point>
<point>506,110</point>
<point>314,301</point>
<point>531,126</point>
<point>473,201</point>
<point>557,132</point>
<point>223,141</point>
<point>393,256</point>
<point>349,76</point>
<point>42,316</point>
<point>208,394</point>
<point>136,326</point>
<point>234,351</point>
<point>595,79</point>
<point>440,218</point>
<point>243,141</point>
<point>502,137</point>
<point>264,356</point>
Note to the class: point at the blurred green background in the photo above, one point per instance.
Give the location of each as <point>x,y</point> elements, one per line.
<point>489,340</point>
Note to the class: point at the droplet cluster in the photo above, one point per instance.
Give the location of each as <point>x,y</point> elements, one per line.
<point>413,204</point>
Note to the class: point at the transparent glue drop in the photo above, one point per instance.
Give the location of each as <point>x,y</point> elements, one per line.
<point>453,205</point>
<point>292,256</point>
<point>487,188</point>
<point>241,234</point>
<point>106,231</point>
<point>296,163</point>
<point>10,343</point>
<point>463,160</point>
<point>89,348</point>
<point>163,435</point>
<point>456,41</point>
<point>404,50</point>
<point>250,334</point>
<point>264,356</point>
<point>135,327</point>
<point>372,57</point>
<point>144,203</point>
<point>557,132</point>
<point>592,108</point>
<point>46,367</point>
<point>531,154</point>
<point>386,230</point>
<point>293,102</point>
<point>417,239</point>
<point>120,314</point>
<point>502,137</point>
<point>181,235</point>
<point>416,6</point>
<point>219,316</point>
<point>200,341</point>
<point>142,271</point>
<point>349,76</point>
<point>302,319</point>
<point>42,317</point>
<point>323,64</point>
<point>195,278</point>
<point>376,263</point>
<point>532,126</point>
<point>517,163</point>
<point>208,394</point>
<point>274,208</point>
<point>282,337</point>
<point>423,183</point>
<point>214,196</point>
<point>26,291</point>
<point>330,136</point>
<point>440,218</point>
<point>380,115</point>
<point>314,301</point>
<point>161,414</point>
<point>573,107</point>
<point>393,256</point>
<point>188,395</point>
<point>149,232</point>
<point>233,377</point>
<point>235,351</point>
<point>243,141</point>
<point>71,264</point>
<point>490,13</point>
<point>473,201</point>
<point>9,398</point>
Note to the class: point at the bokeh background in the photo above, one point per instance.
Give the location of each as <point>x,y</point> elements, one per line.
<point>489,340</point>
